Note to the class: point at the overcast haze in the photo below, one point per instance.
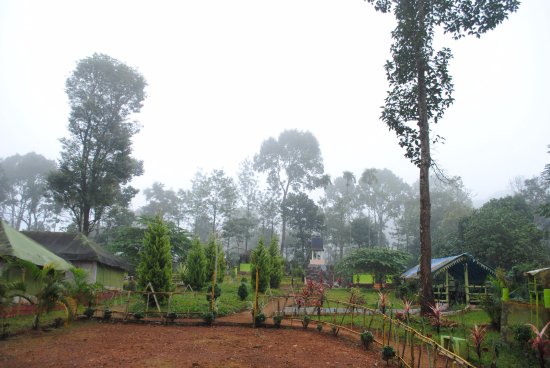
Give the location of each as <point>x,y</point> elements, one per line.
<point>223,76</point>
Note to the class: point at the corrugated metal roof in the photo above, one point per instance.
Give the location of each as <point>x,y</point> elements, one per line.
<point>442,264</point>
<point>15,244</point>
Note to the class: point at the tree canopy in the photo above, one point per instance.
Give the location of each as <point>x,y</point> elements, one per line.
<point>293,162</point>
<point>96,161</point>
<point>380,261</point>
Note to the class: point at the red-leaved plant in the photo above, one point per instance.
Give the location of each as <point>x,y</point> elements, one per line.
<point>478,335</point>
<point>407,305</point>
<point>437,311</point>
<point>383,301</point>
<point>540,342</point>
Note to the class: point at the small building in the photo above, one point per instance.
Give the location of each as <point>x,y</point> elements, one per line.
<point>102,266</point>
<point>317,252</point>
<point>15,245</point>
<point>458,279</point>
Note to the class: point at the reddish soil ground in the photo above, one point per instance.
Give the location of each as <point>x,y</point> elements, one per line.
<point>94,344</point>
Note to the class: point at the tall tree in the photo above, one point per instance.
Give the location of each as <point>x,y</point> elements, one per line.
<point>25,190</point>
<point>96,161</point>
<point>293,162</point>
<point>421,87</point>
<point>248,188</point>
<point>160,201</point>
<point>382,192</point>
<point>305,218</point>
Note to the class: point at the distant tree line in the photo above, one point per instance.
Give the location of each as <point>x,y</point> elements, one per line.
<point>272,194</point>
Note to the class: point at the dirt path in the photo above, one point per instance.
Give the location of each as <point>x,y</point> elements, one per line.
<point>94,344</point>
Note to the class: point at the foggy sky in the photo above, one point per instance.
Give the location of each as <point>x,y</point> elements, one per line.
<point>224,76</point>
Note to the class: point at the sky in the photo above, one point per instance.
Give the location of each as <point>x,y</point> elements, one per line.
<point>223,76</point>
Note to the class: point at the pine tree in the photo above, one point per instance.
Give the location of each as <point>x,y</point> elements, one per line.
<point>155,266</point>
<point>260,260</point>
<point>196,265</point>
<point>276,264</point>
<point>211,259</point>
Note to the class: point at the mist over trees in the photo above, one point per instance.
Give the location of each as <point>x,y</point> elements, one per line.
<point>282,192</point>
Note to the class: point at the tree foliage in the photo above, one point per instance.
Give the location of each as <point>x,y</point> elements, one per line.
<point>155,264</point>
<point>196,265</point>
<point>380,261</point>
<point>27,201</point>
<point>96,161</point>
<point>293,162</point>
<point>260,261</point>
<point>305,218</point>
<point>214,250</point>
<point>421,86</point>
<point>277,264</point>
<point>502,234</point>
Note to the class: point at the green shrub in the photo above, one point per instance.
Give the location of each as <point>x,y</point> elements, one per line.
<point>209,317</point>
<point>277,319</point>
<point>260,319</point>
<point>210,254</point>
<point>366,338</point>
<point>260,260</point>
<point>242,291</point>
<point>522,334</point>
<point>217,292</point>
<point>107,314</point>
<point>130,285</point>
<point>319,327</point>
<point>276,264</point>
<point>58,322</point>
<point>89,312</point>
<point>139,315</point>
<point>196,265</point>
<point>306,320</point>
<point>388,353</point>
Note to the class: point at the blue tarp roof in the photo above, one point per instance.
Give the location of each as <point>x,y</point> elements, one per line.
<point>476,268</point>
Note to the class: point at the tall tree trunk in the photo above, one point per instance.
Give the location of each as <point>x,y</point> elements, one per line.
<point>427,297</point>
<point>85,226</point>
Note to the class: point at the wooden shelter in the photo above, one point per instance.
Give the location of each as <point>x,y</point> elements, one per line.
<point>102,266</point>
<point>457,279</point>
<point>15,245</point>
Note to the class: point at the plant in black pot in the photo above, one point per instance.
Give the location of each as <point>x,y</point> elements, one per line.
<point>277,319</point>
<point>107,314</point>
<point>260,319</point>
<point>209,318</point>
<point>139,316</point>
<point>89,312</point>
<point>388,353</point>
<point>171,317</point>
<point>306,320</point>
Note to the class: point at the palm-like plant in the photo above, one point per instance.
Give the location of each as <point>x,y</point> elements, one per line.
<point>478,335</point>
<point>540,342</point>
<point>8,290</point>
<point>79,289</point>
<point>52,292</point>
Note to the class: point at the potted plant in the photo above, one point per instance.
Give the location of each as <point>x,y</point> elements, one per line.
<point>107,314</point>
<point>259,320</point>
<point>209,317</point>
<point>319,327</point>
<point>306,320</point>
<point>388,353</point>
<point>277,319</point>
<point>139,316</point>
<point>171,316</point>
<point>335,330</point>
<point>89,312</point>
